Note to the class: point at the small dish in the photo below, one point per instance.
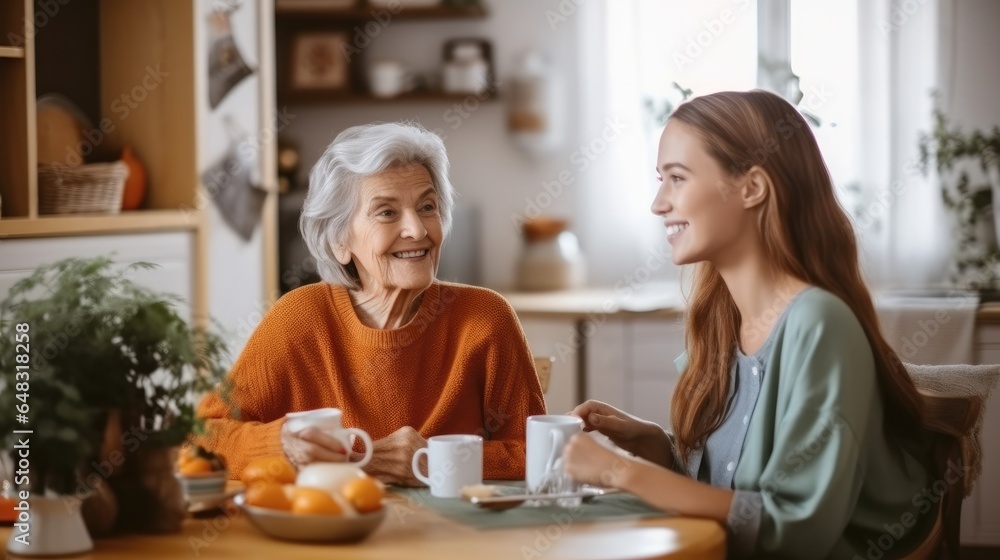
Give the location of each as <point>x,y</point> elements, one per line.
<point>205,501</point>
<point>502,503</point>
<point>203,483</point>
<point>312,528</point>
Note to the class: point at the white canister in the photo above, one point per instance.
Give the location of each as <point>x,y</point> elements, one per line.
<point>467,72</point>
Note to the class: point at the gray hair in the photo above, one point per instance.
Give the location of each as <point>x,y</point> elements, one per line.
<point>335,181</point>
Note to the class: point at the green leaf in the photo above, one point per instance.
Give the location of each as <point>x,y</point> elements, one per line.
<point>103,342</point>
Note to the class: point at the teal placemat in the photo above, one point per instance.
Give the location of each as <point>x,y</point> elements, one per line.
<point>603,508</point>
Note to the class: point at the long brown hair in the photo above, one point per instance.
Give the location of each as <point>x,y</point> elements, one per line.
<point>805,233</point>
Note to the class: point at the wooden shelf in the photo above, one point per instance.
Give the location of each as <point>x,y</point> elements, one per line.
<point>354,15</point>
<point>79,224</point>
<point>11,52</point>
<point>989,312</point>
<point>367,98</point>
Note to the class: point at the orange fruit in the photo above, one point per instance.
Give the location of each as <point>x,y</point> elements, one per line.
<point>198,465</point>
<point>271,469</point>
<point>365,494</point>
<point>313,501</point>
<point>269,495</point>
<point>186,455</point>
<point>191,453</point>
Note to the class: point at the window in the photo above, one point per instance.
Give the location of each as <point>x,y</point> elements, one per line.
<point>824,55</point>
<point>713,46</point>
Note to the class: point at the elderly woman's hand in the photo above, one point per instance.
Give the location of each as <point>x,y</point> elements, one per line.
<point>311,445</point>
<point>392,457</point>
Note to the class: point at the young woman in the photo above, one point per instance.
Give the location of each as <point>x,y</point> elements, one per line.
<point>793,422</point>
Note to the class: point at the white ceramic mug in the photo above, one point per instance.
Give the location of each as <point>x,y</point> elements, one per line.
<point>329,421</point>
<point>388,78</point>
<point>547,435</point>
<point>453,461</point>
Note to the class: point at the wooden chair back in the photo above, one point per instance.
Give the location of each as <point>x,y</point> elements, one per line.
<point>949,418</point>
<point>543,368</point>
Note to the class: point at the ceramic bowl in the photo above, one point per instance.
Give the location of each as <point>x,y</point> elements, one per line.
<point>208,483</point>
<point>312,528</point>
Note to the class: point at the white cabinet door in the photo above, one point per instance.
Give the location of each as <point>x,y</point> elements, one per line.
<point>630,364</point>
<point>653,345</point>
<point>556,338</point>
<point>608,364</point>
<point>172,252</point>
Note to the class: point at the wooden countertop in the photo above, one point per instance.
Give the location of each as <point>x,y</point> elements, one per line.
<point>653,301</point>
<point>658,300</point>
<point>989,312</point>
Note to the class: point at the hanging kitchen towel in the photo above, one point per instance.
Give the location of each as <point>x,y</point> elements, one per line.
<point>226,67</point>
<point>930,330</point>
<point>228,184</point>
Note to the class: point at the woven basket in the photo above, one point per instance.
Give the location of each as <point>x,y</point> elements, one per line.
<point>94,187</point>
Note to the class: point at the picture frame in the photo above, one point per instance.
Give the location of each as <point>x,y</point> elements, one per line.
<point>318,63</point>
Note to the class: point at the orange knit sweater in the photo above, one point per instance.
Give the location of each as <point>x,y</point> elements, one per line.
<point>461,366</point>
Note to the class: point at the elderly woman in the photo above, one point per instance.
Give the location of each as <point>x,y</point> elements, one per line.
<point>403,355</point>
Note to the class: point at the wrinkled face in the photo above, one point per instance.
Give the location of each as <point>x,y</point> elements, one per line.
<point>700,206</point>
<point>395,234</point>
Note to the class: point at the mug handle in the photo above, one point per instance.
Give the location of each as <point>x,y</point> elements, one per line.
<point>368,445</point>
<point>415,464</point>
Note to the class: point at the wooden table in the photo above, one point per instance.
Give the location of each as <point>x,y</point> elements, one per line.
<point>415,532</point>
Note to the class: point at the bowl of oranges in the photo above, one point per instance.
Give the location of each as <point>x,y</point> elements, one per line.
<point>200,471</point>
<point>323,502</point>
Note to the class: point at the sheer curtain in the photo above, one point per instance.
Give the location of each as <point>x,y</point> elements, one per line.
<point>904,227</point>
<point>617,184</point>
<point>631,53</point>
<point>866,69</point>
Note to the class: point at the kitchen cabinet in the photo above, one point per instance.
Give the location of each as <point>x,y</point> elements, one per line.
<point>172,252</point>
<point>139,70</point>
<point>554,338</point>
<point>141,94</point>
<point>981,510</point>
<point>629,364</point>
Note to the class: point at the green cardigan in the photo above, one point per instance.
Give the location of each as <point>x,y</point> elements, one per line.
<point>816,477</point>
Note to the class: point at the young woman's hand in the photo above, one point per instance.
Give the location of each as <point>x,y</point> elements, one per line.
<point>589,462</point>
<point>639,437</point>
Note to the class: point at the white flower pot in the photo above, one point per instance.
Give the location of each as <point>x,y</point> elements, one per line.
<point>54,528</point>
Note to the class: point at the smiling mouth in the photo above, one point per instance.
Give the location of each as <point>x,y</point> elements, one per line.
<point>673,230</point>
<point>410,254</point>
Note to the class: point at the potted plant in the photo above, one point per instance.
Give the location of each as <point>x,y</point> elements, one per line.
<point>952,152</point>
<point>109,391</point>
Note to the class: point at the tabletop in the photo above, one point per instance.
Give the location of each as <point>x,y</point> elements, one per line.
<point>416,532</point>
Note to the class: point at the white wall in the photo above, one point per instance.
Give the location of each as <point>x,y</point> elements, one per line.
<point>488,170</point>
<point>970,73</point>
<point>234,266</point>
